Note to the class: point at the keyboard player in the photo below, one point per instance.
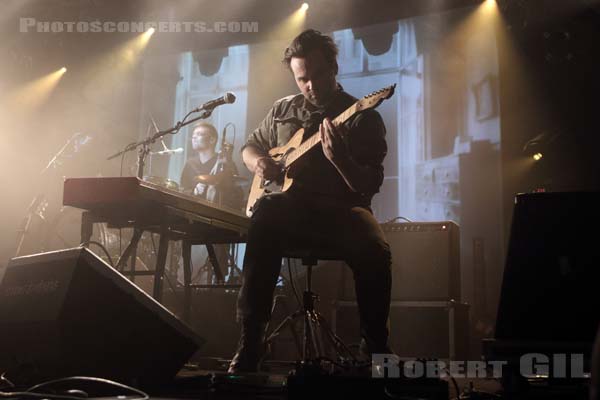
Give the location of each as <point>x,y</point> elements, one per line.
<point>208,174</point>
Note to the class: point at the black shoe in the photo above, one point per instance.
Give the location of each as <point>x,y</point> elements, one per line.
<point>384,356</point>
<point>367,349</point>
<point>250,349</point>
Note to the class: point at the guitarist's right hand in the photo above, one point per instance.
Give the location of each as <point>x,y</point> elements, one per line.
<point>267,168</point>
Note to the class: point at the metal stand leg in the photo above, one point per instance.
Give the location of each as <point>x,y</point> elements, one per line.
<point>186,249</point>
<point>87,227</point>
<point>215,263</point>
<point>161,259</point>
<point>26,223</point>
<point>235,273</point>
<point>137,234</point>
<point>289,321</point>
<point>315,326</point>
<point>132,262</point>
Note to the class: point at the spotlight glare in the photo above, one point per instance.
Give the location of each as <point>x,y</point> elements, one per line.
<point>150,31</point>
<point>304,7</point>
<point>490,5</point>
<point>537,156</point>
<point>63,70</point>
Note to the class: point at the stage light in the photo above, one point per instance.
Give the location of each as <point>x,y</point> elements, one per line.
<point>142,41</point>
<point>289,27</point>
<point>130,52</point>
<point>490,5</point>
<point>34,93</point>
<point>111,68</point>
<point>541,144</point>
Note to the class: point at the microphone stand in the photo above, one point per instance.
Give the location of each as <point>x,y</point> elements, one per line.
<point>56,157</point>
<point>38,205</point>
<point>144,145</point>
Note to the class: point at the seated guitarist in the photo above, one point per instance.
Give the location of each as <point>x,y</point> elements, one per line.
<point>328,205</point>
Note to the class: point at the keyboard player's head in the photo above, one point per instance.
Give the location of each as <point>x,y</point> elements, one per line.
<point>204,138</point>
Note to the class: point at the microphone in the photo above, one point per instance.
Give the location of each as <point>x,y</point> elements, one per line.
<point>227,98</point>
<point>169,151</point>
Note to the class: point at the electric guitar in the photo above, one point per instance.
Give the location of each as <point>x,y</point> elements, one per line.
<point>289,154</point>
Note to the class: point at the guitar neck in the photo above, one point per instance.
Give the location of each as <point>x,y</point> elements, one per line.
<point>315,139</point>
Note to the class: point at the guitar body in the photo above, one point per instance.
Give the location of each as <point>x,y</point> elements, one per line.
<point>259,187</point>
<point>288,155</point>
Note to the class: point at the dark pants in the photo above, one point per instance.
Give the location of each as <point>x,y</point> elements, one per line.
<point>289,220</point>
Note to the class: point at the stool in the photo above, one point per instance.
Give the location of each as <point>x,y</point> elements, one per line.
<point>314,324</point>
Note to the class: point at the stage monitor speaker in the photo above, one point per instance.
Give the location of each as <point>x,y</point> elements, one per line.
<point>67,313</point>
<point>552,272</point>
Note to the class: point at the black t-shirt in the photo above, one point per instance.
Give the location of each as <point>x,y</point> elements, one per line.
<point>194,167</point>
<point>226,195</point>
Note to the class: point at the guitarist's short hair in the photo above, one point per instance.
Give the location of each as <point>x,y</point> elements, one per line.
<point>308,41</point>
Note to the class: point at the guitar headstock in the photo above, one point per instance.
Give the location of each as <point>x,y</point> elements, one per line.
<point>372,100</point>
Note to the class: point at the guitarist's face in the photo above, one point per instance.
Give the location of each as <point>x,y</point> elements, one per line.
<point>315,77</point>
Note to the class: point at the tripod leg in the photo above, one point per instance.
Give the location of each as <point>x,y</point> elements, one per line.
<point>294,333</point>
<point>337,343</point>
<point>288,321</point>
<point>307,335</point>
<point>312,347</point>
<point>317,339</point>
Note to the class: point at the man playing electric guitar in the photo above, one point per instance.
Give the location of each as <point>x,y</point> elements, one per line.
<point>328,205</point>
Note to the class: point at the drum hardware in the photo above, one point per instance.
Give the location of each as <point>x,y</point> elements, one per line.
<point>220,178</point>
<point>164,182</point>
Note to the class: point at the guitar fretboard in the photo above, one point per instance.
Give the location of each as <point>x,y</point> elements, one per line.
<point>316,138</point>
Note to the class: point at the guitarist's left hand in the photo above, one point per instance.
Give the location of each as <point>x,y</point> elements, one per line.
<point>334,142</point>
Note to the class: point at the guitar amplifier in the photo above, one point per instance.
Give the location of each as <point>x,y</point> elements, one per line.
<point>418,329</point>
<point>425,263</point>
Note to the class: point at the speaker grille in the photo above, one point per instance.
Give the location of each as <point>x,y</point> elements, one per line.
<point>425,260</point>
